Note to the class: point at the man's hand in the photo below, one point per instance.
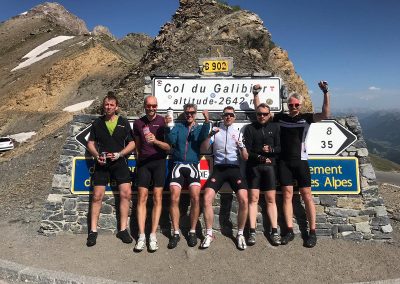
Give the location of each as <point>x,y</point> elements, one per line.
<point>256,89</point>
<point>167,119</point>
<point>101,160</point>
<point>116,156</point>
<point>261,159</point>
<point>150,138</point>
<point>240,144</point>
<point>206,117</point>
<point>323,85</point>
<point>266,148</point>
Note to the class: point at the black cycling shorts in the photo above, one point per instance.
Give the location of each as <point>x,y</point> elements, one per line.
<point>114,170</point>
<point>226,173</point>
<point>151,173</point>
<point>261,177</point>
<point>182,174</point>
<point>291,170</point>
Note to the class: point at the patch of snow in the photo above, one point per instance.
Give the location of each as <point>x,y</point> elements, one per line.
<point>39,52</point>
<point>22,137</point>
<point>78,106</point>
<point>24,13</point>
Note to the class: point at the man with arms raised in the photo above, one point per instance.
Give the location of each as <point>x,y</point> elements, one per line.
<point>293,162</point>
<point>185,140</point>
<point>110,141</point>
<point>151,153</point>
<point>227,147</point>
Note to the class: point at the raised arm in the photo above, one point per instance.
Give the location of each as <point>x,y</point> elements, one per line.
<point>256,91</point>
<point>326,107</point>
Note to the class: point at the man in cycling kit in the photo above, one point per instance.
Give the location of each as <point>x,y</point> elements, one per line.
<point>262,142</point>
<point>110,141</point>
<point>151,153</point>
<point>227,146</point>
<point>185,140</point>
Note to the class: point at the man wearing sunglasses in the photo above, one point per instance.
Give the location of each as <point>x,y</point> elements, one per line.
<point>293,162</point>
<point>227,146</point>
<point>151,153</point>
<point>185,140</point>
<point>262,142</point>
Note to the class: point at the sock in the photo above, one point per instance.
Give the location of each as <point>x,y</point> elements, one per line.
<point>312,232</point>
<point>274,230</point>
<point>176,232</point>
<point>192,231</point>
<point>209,232</point>
<point>290,229</point>
<point>252,230</point>
<point>142,236</point>
<point>240,232</point>
<point>153,236</point>
<point>94,231</point>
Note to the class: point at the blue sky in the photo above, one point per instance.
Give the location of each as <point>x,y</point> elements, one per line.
<point>353,44</point>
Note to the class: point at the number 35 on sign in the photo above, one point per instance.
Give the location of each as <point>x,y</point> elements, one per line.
<point>328,137</point>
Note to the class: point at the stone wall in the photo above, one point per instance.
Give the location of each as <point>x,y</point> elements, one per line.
<point>356,217</point>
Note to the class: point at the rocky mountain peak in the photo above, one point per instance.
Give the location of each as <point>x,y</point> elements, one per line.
<point>102,30</point>
<point>195,28</point>
<point>58,14</point>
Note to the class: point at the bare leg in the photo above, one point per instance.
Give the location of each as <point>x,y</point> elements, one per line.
<point>243,208</point>
<point>157,207</point>
<point>174,206</point>
<point>287,192</point>
<point>125,195</point>
<point>270,199</point>
<point>141,209</point>
<point>309,205</point>
<point>254,195</point>
<point>97,198</point>
<point>209,196</point>
<point>194,192</point>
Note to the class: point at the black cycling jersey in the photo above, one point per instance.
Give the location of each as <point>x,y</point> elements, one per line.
<point>110,143</point>
<point>257,135</point>
<point>293,134</point>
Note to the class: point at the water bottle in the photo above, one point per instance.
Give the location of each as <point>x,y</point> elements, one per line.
<point>146,131</point>
<point>170,113</point>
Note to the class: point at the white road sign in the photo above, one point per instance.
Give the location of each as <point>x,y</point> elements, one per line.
<point>216,93</point>
<point>328,137</point>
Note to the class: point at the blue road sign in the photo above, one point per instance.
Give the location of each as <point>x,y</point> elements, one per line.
<point>334,175</point>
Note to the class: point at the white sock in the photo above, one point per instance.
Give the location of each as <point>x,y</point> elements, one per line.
<point>176,232</point>
<point>142,236</point>
<point>209,232</point>
<point>153,236</point>
<point>240,232</point>
<point>192,231</point>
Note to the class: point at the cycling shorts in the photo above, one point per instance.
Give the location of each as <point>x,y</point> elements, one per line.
<point>114,170</point>
<point>261,177</point>
<point>226,173</point>
<point>151,173</point>
<point>291,170</point>
<point>182,174</point>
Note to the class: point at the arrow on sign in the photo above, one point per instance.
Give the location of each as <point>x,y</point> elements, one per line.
<point>328,137</point>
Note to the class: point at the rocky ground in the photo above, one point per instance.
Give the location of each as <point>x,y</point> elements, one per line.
<point>25,181</point>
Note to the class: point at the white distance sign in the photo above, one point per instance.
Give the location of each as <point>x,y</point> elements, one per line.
<point>216,93</point>
<point>328,137</point>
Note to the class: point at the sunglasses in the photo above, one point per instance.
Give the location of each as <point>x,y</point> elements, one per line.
<point>226,114</point>
<point>262,113</point>
<point>187,113</point>
<point>151,106</point>
<point>294,105</point>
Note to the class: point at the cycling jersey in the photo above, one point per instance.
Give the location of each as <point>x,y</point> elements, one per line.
<point>293,134</point>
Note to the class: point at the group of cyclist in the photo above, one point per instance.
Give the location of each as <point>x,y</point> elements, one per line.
<point>273,147</point>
